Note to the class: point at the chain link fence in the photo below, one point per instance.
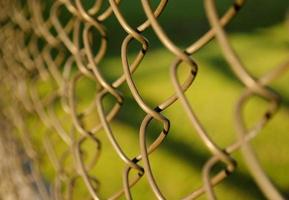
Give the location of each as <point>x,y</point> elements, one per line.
<point>47,48</point>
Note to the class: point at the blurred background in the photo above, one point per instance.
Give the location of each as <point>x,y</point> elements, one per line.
<point>259,34</point>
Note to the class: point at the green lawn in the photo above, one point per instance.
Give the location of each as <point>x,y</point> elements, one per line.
<point>213,96</point>
<point>177,164</point>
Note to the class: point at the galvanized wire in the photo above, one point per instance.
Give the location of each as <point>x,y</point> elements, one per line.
<point>38,49</point>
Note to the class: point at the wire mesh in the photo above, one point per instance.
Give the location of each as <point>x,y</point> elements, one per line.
<point>39,47</point>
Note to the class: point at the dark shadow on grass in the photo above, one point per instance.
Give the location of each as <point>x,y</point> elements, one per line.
<point>185,21</point>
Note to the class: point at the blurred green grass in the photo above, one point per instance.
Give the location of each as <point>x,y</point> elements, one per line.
<point>177,164</point>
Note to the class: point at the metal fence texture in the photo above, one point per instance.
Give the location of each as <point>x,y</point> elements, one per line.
<point>37,47</point>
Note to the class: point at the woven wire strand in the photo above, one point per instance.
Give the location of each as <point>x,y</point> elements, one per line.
<point>29,41</point>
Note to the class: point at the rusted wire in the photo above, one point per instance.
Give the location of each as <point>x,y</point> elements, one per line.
<point>38,49</point>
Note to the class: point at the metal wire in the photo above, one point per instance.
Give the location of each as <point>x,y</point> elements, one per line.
<point>38,49</point>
